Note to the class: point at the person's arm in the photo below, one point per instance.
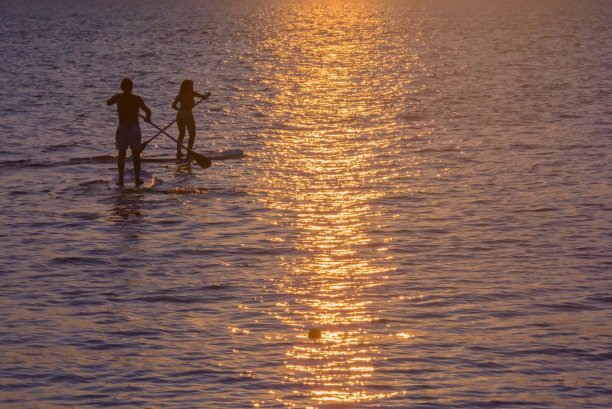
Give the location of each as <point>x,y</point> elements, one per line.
<point>175,103</point>
<point>146,110</point>
<point>112,100</point>
<point>205,96</point>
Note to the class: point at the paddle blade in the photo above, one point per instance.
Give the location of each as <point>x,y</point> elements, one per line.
<point>202,160</point>
<point>144,145</point>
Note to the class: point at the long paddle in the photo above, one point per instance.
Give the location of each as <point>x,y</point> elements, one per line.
<point>202,160</point>
<point>144,145</point>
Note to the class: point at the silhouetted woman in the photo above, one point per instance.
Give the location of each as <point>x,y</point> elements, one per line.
<point>183,103</point>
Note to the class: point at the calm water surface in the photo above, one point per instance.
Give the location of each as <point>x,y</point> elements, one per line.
<point>427,182</point>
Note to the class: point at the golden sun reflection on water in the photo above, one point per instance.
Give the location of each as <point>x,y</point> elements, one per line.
<point>322,179</point>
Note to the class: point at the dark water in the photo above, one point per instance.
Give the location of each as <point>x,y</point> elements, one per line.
<point>427,182</point>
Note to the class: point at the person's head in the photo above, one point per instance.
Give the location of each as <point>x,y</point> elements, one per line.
<point>126,85</point>
<point>186,86</point>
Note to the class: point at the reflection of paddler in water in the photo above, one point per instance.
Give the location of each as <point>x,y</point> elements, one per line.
<point>128,208</point>
<point>128,131</point>
<point>183,103</point>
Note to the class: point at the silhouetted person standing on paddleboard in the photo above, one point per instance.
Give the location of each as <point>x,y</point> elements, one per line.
<point>183,103</point>
<point>128,131</point>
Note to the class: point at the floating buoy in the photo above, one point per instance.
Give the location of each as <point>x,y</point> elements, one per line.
<point>314,333</point>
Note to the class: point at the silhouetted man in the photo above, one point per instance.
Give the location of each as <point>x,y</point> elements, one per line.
<point>128,131</point>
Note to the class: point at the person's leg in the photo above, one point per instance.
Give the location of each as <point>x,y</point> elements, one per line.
<point>136,159</point>
<point>181,127</point>
<point>135,142</point>
<point>121,166</point>
<point>192,133</point>
<point>121,145</point>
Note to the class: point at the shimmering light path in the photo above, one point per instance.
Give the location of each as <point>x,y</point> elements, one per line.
<point>323,171</point>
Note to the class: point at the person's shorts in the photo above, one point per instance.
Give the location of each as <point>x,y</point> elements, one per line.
<point>128,135</point>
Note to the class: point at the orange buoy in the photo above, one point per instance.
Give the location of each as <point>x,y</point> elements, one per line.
<point>314,333</point>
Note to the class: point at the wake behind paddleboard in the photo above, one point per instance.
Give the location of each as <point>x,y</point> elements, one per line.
<point>128,179</point>
<point>213,155</point>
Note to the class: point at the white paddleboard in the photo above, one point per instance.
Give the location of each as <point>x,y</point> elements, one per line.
<point>224,154</point>
<point>128,179</point>
<point>213,155</point>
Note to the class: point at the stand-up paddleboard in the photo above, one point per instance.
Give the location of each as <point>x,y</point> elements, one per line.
<point>224,154</point>
<point>213,155</point>
<point>128,179</point>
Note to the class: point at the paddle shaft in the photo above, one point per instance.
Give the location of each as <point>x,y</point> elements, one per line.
<point>144,145</point>
<point>163,131</point>
<point>202,160</point>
